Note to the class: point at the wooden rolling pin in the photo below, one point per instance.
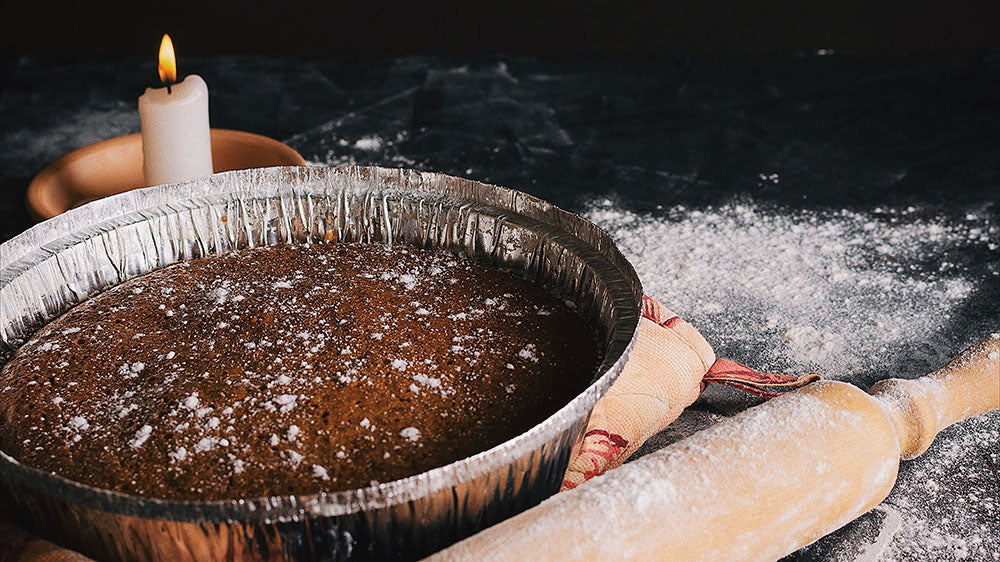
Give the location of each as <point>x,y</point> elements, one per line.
<point>757,486</point>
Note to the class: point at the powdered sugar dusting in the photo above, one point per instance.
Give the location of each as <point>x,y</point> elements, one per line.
<point>141,436</point>
<point>410,434</point>
<point>320,472</point>
<point>290,359</point>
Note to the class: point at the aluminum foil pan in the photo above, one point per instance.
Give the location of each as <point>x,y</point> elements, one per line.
<point>60,262</point>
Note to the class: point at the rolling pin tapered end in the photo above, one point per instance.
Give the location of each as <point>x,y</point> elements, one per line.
<point>966,386</point>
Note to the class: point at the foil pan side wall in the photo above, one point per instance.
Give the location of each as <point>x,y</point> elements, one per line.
<point>406,531</point>
<point>60,262</point>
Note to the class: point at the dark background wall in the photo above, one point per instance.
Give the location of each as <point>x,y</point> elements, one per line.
<point>471,27</point>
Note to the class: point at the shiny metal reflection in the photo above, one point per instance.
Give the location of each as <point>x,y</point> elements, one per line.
<point>52,266</point>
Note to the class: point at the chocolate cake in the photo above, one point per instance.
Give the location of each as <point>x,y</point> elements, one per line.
<point>291,370</point>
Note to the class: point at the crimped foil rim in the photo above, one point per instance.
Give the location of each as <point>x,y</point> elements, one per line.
<point>35,244</point>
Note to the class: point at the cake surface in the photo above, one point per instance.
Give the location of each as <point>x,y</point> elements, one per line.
<point>291,370</point>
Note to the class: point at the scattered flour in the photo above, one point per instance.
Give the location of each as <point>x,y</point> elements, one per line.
<point>191,402</point>
<point>320,472</point>
<point>841,293</point>
<point>410,433</point>
<point>528,352</point>
<point>78,423</point>
<point>178,455</point>
<point>853,296</point>
<point>294,457</point>
<point>141,436</point>
<point>933,529</point>
<point>369,143</point>
<point>806,341</point>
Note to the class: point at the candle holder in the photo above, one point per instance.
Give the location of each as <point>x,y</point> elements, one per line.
<point>115,165</point>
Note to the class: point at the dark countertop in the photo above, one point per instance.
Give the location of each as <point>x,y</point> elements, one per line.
<point>846,131</point>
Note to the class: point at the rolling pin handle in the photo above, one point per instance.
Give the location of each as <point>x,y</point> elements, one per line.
<point>967,386</point>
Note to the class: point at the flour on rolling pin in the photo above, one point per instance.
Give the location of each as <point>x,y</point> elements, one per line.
<point>633,503</point>
<point>757,486</point>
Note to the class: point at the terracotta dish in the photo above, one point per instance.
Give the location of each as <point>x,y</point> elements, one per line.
<point>115,165</point>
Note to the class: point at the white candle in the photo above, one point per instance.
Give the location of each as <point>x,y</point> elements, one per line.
<point>176,144</point>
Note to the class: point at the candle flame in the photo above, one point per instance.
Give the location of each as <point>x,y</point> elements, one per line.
<point>168,62</point>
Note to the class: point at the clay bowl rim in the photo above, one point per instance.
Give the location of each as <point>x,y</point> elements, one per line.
<point>46,181</point>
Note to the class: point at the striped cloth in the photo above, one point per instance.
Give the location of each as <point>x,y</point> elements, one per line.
<point>670,364</point>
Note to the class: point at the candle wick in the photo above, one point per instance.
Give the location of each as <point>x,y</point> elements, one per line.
<point>168,89</point>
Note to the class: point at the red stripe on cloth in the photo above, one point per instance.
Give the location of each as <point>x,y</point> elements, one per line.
<point>765,385</point>
<point>654,311</point>
<point>731,373</point>
<point>609,448</point>
<point>671,322</point>
<point>618,440</point>
<point>650,309</point>
<point>725,367</point>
